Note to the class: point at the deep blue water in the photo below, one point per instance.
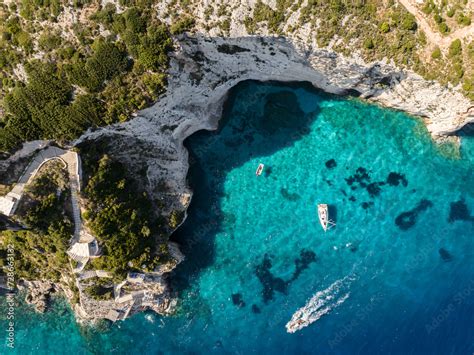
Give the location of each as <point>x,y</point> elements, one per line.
<point>403,247</point>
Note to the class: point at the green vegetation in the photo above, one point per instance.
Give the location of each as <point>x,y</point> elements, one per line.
<point>43,108</point>
<point>448,14</point>
<point>182,25</point>
<point>455,48</point>
<point>84,79</point>
<point>349,25</point>
<point>41,250</point>
<point>436,54</point>
<point>101,289</point>
<point>120,216</point>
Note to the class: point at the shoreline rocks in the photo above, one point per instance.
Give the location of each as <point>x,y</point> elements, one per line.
<point>204,69</point>
<point>38,293</point>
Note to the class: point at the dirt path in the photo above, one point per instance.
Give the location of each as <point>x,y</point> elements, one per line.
<point>434,36</point>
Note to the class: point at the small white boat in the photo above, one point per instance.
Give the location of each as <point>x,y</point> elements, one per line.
<point>323,214</point>
<point>259,169</point>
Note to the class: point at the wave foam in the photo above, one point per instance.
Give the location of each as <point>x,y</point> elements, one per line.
<point>320,304</point>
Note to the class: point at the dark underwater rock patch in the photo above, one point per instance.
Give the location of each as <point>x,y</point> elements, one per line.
<point>360,177</point>
<point>374,189</point>
<point>255,309</point>
<point>238,300</point>
<point>445,255</point>
<point>459,211</point>
<point>366,205</point>
<point>269,282</point>
<point>394,179</point>
<point>331,164</point>
<point>407,220</point>
<point>302,263</point>
<point>289,196</point>
<point>352,198</point>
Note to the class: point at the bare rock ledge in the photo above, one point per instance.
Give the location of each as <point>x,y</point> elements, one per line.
<point>204,69</point>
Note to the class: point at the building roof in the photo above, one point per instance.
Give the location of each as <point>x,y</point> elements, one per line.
<point>7,205</point>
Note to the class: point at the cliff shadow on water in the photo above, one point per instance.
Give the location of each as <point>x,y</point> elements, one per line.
<point>258,119</point>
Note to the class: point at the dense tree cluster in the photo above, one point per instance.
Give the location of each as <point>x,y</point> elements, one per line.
<point>43,108</point>
<point>41,249</point>
<point>84,80</point>
<point>121,217</point>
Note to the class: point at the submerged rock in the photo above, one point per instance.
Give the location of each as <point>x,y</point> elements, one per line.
<point>331,164</point>
<point>445,255</point>
<point>407,219</point>
<point>255,309</point>
<point>302,263</point>
<point>238,300</point>
<point>394,179</point>
<point>269,282</point>
<point>289,196</point>
<point>459,212</point>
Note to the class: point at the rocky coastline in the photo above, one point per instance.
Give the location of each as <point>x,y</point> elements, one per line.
<point>203,70</point>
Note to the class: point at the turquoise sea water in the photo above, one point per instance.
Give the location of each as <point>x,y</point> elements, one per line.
<point>403,247</point>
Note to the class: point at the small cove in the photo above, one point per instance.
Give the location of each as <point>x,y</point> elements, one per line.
<point>256,252</point>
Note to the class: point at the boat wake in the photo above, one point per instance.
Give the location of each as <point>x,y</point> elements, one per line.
<point>320,304</point>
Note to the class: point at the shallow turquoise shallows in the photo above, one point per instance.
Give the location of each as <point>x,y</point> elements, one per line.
<point>402,250</point>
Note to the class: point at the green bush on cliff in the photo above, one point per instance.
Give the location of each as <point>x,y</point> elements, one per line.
<point>121,217</point>
<point>436,54</point>
<point>455,48</point>
<point>41,250</point>
<point>101,290</point>
<point>184,24</point>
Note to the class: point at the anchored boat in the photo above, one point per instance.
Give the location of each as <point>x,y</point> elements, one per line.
<point>259,169</point>
<point>323,214</point>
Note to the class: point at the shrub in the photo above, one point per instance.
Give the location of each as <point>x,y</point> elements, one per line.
<point>384,27</point>
<point>409,23</point>
<point>436,53</point>
<point>463,20</point>
<point>443,28</point>
<point>455,48</point>
<point>184,24</point>
<point>368,43</point>
<point>49,41</point>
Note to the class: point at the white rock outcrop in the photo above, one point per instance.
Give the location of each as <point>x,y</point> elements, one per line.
<point>204,69</point>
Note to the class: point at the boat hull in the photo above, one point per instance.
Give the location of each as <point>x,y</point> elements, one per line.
<point>323,216</point>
